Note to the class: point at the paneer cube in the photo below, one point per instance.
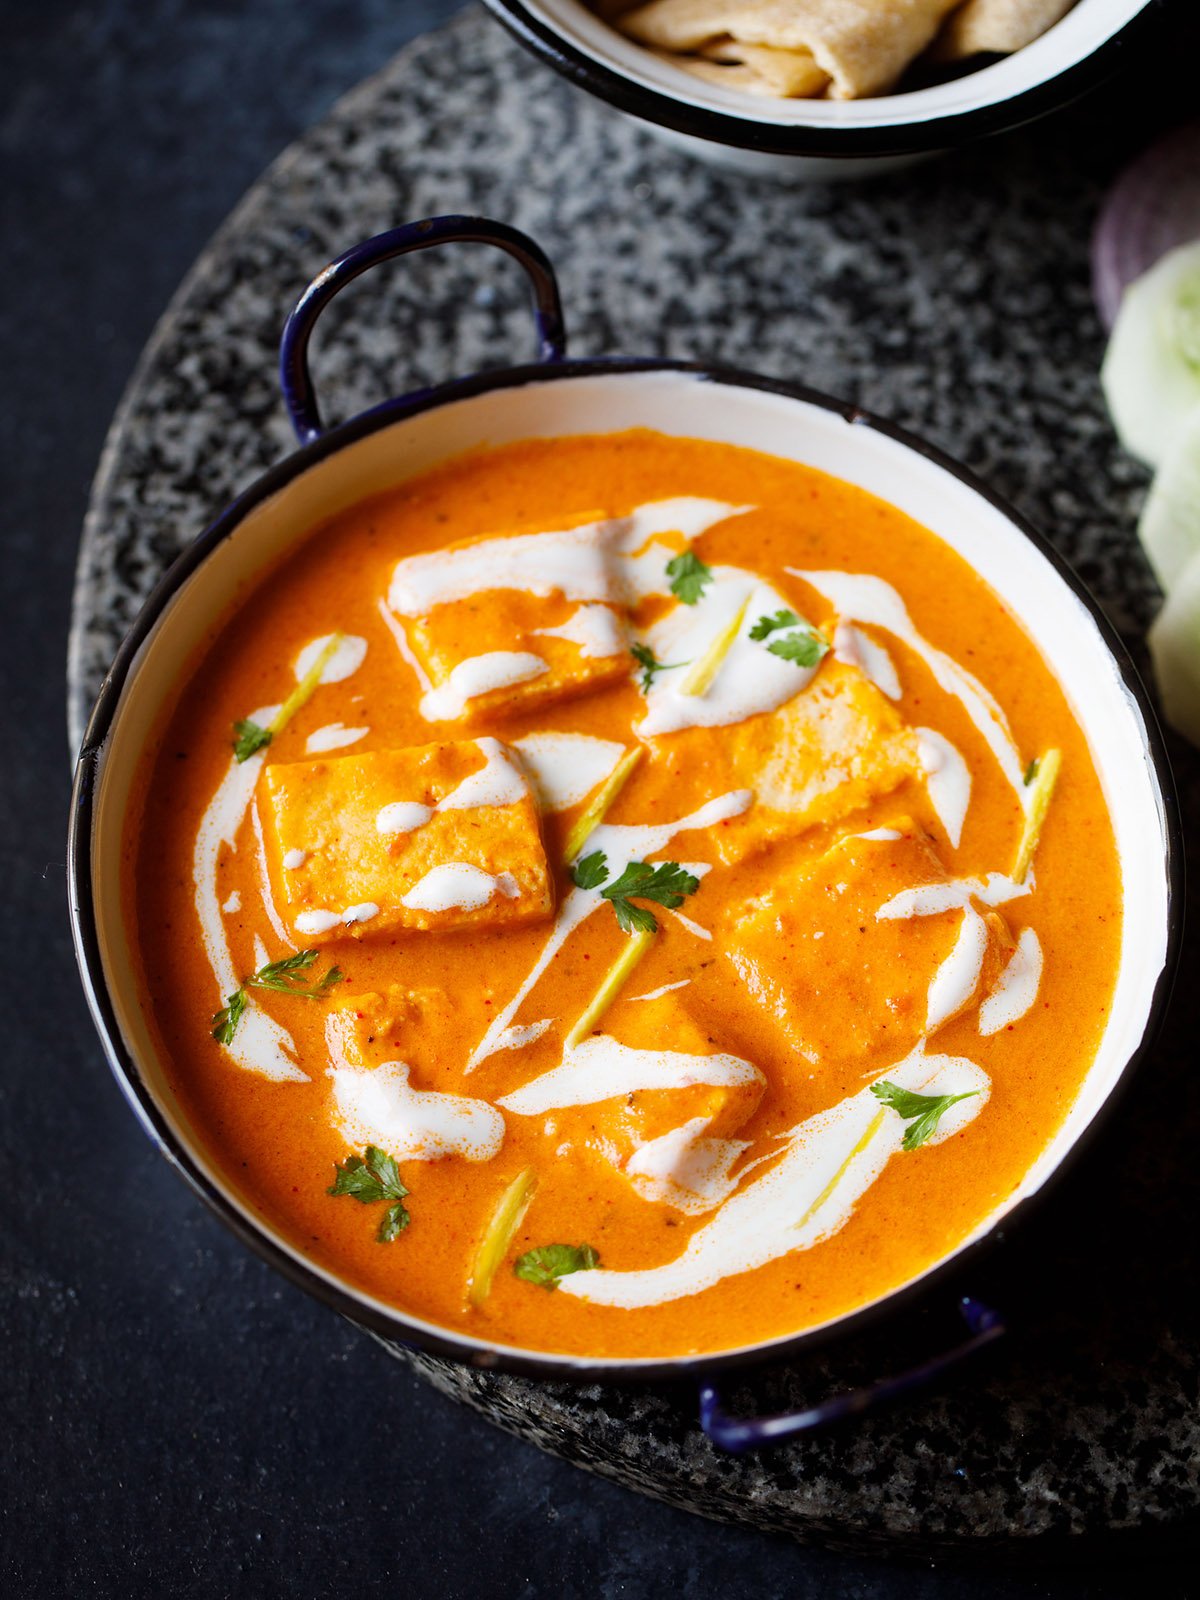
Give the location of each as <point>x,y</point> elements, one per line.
<point>833,749</point>
<point>436,837</point>
<point>672,1140</point>
<point>850,988</point>
<point>367,1030</point>
<point>519,635</point>
<point>504,652</point>
<point>644,1114</point>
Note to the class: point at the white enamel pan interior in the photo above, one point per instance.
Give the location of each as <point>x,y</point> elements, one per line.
<point>581,399</point>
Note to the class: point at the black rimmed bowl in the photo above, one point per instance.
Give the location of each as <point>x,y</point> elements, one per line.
<point>827,139</point>
<point>335,469</point>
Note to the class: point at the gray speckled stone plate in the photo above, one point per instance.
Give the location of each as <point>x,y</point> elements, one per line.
<point>953,298</point>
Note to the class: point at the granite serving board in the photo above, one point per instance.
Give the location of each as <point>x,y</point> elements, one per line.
<point>953,298</point>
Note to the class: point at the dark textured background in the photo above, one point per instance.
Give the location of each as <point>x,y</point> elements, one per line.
<point>173,1419</point>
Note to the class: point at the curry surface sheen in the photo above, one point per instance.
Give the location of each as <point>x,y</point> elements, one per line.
<point>852,826</point>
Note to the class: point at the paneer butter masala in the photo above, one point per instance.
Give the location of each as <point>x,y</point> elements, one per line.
<point>623,895</point>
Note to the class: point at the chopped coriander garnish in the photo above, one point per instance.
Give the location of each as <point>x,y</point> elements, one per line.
<point>651,667</point>
<point>778,619</point>
<point>922,1112</point>
<point>371,1178</point>
<point>689,577</point>
<point>250,738</point>
<point>285,978</point>
<point>665,882</point>
<point>393,1222</point>
<point>634,919</point>
<point>591,872</point>
<point>1031,771</point>
<point>804,645</point>
<point>226,1020</point>
<point>550,1262</point>
<point>368,1179</point>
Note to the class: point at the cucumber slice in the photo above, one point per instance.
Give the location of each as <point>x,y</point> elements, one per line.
<point>1151,371</point>
<point>1169,527</point>
<point>1174,641</point>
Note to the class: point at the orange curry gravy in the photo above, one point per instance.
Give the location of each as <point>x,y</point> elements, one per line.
<point>814,1036</point>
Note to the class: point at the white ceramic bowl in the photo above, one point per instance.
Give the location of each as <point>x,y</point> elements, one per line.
<point>824,139</point>
<point>406,437</point>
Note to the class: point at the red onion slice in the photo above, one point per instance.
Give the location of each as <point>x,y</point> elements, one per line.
<point>1153,206</point>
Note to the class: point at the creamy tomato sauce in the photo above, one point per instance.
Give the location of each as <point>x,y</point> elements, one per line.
<point>798,722</point>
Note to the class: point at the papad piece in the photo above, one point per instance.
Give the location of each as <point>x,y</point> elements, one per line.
<point>997,27</point>
<point>863,45</point>
<point>744,79</point>
<point>784,74</point>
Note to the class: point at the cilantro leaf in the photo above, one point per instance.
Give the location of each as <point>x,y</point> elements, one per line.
<point>226,1020</point>
<point>591,872</point>
<point>1031,771</point>
<point>370,1178</point>
<point>634,919</point>
<point>689,577</point>
<point>292,963</point>
<point>550,1262</point>
<point>805,646</point>
<point>374,1176</point>
<point>284,976</point>
<point>665,882</point>
<point>650,666</point>
<point>355,1178</point>
<point>766,625</point>
<point>922,1112</point>
<point>250,737</point>
<point>393,1222</point>
<point>803,643</point>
